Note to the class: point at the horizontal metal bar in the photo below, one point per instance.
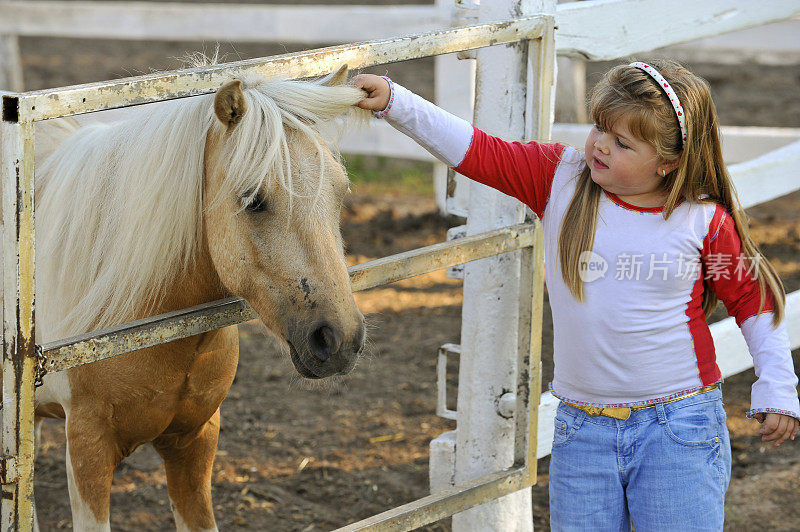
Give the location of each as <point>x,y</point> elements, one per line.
<point>78,99</point>
<point>147,332</point>
<point>440,505</point>
<point>443,255</point>
<point>155,330</point>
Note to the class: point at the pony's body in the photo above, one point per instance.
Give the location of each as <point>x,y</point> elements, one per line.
<point>233,194</point>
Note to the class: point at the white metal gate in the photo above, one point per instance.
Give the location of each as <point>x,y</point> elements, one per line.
<point>24,362</point>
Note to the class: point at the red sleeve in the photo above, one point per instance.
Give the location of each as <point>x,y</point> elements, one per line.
<point>727,272</point>
<point>524,171</point>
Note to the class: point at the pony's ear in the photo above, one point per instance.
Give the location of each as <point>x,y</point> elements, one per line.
<point>229,103</point>
<point>338,77</point>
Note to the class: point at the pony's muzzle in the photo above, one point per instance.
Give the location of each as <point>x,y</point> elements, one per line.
<point>329,350</point>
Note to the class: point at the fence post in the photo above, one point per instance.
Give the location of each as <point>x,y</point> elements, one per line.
<point>10,66</point>
<point>454,84</point>
<point>10,63</point>
<point>19,350</point>
<point>484,438</point>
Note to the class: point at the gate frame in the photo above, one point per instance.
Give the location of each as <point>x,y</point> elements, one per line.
<point>24,362</point>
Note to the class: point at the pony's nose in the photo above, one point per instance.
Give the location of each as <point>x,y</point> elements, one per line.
<point>325,341</point>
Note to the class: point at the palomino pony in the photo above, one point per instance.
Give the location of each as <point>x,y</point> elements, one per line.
<point>235,193</point>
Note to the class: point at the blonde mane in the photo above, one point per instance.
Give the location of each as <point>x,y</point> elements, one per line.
<point>119,206</point>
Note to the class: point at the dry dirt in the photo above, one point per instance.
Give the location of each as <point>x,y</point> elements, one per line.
<point>294,457</point>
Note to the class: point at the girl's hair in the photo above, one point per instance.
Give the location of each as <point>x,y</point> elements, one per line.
<point>628,92</point>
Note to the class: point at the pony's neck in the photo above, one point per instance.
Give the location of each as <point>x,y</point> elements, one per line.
<point>199,283</point>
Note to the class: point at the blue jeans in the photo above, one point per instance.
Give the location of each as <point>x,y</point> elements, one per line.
<point>666,467</point>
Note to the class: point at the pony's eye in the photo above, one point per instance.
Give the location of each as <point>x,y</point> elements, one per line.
<point>258,203</point>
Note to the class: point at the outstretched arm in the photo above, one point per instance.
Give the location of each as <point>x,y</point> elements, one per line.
<point>524,171</point>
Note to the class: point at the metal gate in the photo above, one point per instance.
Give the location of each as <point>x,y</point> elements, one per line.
<point>24,362</point>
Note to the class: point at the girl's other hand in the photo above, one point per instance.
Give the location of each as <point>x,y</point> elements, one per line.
<point>778,428</point>
<point>377,90</point>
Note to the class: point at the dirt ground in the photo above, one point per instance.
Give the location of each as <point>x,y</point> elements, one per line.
<point>299,457</point>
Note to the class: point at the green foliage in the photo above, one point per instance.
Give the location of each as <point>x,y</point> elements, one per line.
<point>388,174</point>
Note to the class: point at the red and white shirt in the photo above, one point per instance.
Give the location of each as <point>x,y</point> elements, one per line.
<point>640,335</point>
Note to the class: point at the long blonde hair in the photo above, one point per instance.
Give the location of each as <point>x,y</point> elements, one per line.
<point>701,175</point>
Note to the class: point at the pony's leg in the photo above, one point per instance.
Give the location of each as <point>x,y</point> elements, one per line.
<point>92,457</point>
<point>189,467</point>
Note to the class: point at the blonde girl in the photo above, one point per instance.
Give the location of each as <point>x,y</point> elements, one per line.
<point>646,233</point>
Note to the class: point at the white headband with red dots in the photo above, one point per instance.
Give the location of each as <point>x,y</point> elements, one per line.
<point>673,98</point>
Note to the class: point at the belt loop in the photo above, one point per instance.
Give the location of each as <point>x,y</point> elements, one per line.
<point>579,419</point>
<point>662,415</point>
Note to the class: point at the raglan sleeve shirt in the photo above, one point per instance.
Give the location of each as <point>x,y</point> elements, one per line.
<point>522,170</point>
<point>525,171</point>
<point>732,279</point>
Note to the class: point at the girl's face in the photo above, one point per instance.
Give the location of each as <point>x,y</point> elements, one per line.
<point>626,166</point>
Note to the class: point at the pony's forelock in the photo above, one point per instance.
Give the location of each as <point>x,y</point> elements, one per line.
<point>274,108</point>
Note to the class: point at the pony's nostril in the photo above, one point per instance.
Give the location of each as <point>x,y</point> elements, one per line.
<point>324,342</point>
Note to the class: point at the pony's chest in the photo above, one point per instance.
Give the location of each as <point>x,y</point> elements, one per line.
<point>208,377</point>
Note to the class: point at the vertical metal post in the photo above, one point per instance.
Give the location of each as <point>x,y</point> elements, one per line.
<point>19,350</point>
<point>541,86</point>
<point>539,107</point>
<point>529,357</point>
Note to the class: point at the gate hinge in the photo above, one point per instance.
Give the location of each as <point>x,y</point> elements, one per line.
<point>8,470</point>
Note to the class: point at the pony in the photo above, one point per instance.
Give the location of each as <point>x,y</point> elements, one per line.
<point>233,193</point>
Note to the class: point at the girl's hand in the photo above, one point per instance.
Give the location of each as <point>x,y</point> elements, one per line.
<point>377,90</point>
<point>778,428</point>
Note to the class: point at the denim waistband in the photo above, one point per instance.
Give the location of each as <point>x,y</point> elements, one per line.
<point>645,414</point>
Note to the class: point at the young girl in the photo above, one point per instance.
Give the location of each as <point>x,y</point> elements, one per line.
<point>645,232</point>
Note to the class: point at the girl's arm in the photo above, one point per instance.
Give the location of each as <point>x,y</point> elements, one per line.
<point>774,399</point>
<point>524,171</point>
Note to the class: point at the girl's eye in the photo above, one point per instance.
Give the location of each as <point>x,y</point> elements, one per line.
<point>621,144</point>
<point>257,204</point>
<point>598,128</point>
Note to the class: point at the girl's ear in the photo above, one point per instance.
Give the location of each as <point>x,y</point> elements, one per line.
<point>668,166</point>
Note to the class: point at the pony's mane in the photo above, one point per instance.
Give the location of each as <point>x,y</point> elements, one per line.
<point>119,206</point>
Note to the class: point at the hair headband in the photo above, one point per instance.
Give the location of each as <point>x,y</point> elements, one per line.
<point>673,98</point>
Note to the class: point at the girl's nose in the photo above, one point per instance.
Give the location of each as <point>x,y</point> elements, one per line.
<point>601,145</point>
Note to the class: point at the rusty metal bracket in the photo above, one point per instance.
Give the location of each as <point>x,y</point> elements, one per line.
<point>8,470</point>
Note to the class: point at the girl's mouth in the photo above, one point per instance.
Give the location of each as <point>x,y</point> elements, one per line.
<point>597,164</point>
